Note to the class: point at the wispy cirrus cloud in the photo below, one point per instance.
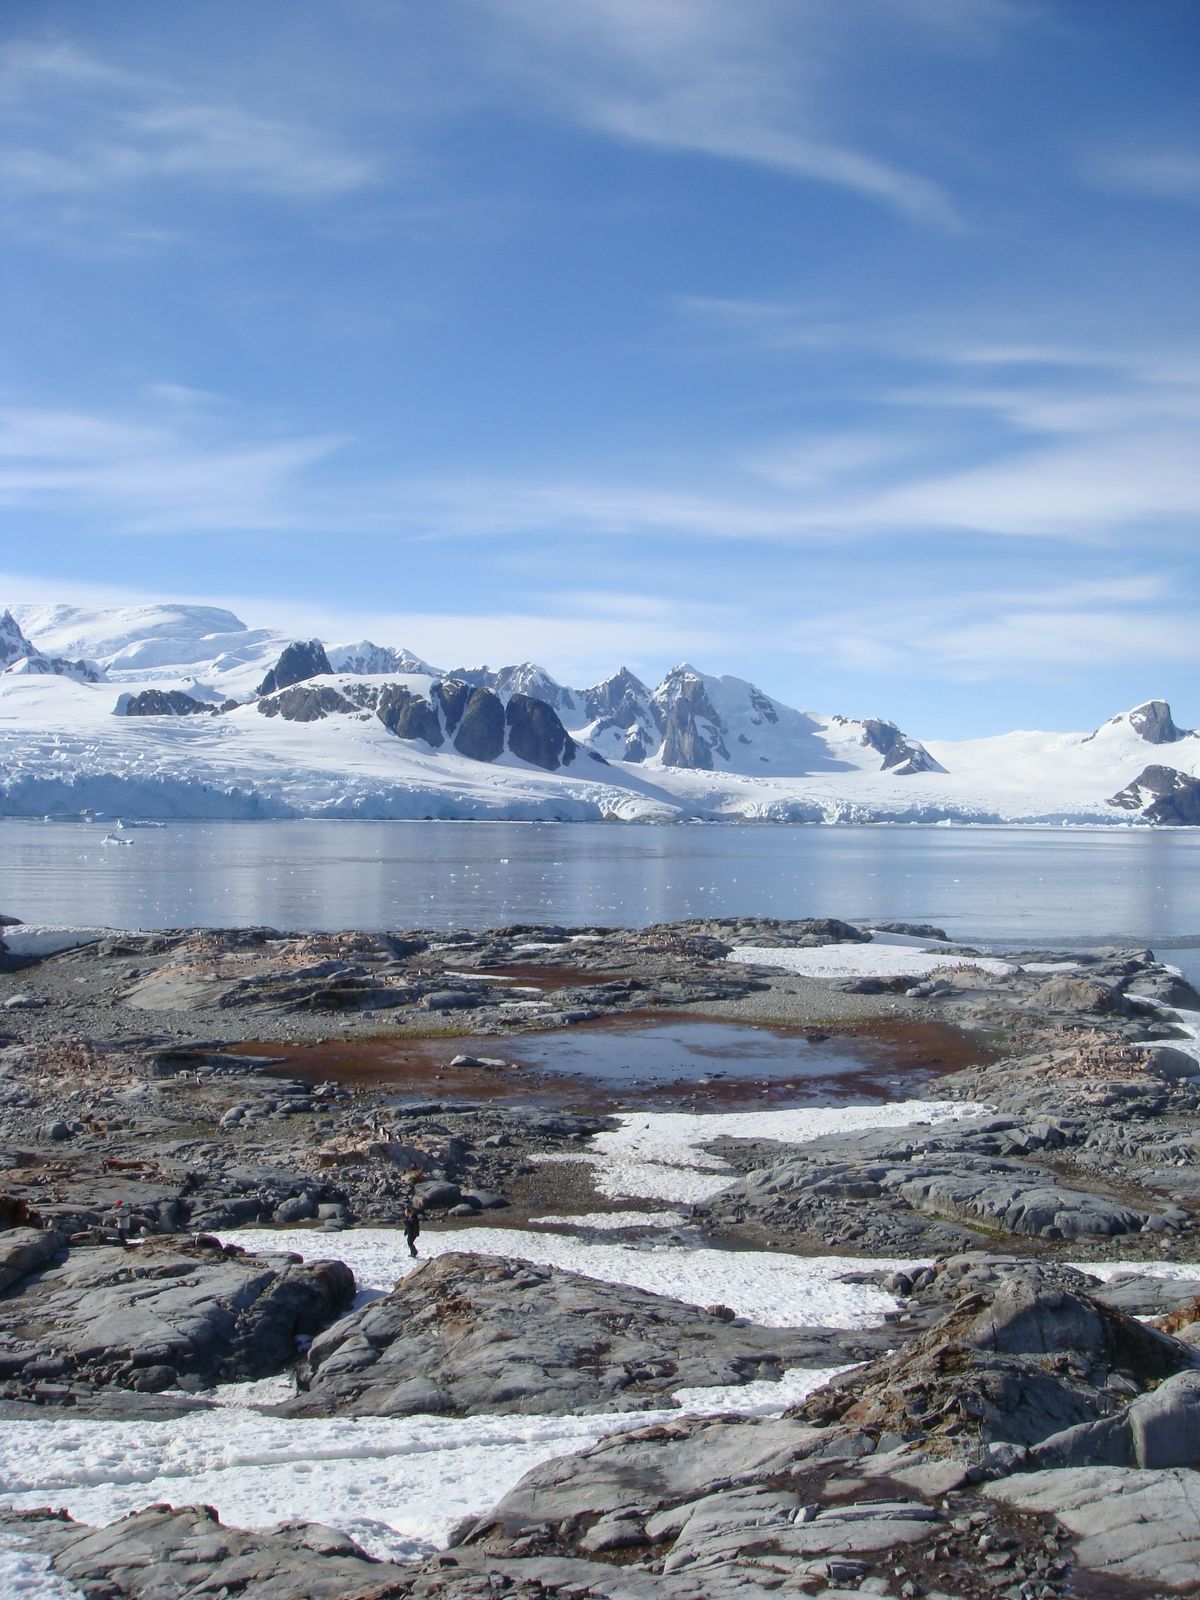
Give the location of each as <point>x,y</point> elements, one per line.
<point>743,84</point>
<point>143,476</point>
<point>77,126</point>
<point>1152,172</point>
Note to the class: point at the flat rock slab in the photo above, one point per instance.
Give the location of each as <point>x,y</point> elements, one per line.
<point>1142,1526</point>
<point>480,1334</point>
<point>160,1314</point>
<point>162,1553</point>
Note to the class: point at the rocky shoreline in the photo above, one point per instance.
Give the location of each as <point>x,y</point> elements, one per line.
<point>1014,1419</point>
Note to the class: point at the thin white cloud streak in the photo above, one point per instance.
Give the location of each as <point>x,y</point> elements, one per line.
<point>182,473</point>
<point>701,77</point>
<point>80,128</point>
<point>143,478</point>
<point>1149,174</point>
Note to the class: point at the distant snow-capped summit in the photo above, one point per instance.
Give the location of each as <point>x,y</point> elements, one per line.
<point>1151,722</point>
<point>526,678</point>
<point>367,660</point>
<point>18,655</point>
<point>291,727</point>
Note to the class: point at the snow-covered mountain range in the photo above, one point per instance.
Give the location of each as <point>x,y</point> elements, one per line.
<point>183,711</point>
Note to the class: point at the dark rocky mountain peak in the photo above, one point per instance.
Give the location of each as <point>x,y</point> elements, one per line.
<point>1151,721</point>
<point>623,704</point>
<point>608,698</point>
<point>480,733</point>
<point>692,731</point>
<point>18,654</point>
<point>302,659</point>
<point>1154,723</point>
<point>536,735</point>
<point>526,678</point>
<point>14,646</point>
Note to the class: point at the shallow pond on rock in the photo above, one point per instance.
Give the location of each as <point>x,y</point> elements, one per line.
<point>671,1063</point>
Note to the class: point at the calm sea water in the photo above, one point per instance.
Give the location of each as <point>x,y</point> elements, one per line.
<point>1000,885</point>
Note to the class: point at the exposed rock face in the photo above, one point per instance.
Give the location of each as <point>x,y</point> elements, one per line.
<point>1134,1527</point>
<point>303,658</point>
<point>536,735</point>
<point>409,716</point>
<point>161,703</point>
<point>876,1469</point>
<point>901,754</point>
<point>480,733</point>
<point>623,704</point>
<point>165,1313</point>
<point>1154,722</point>
<point>526,678</point>
<point>450,697</point>
<point>163,1551</point>
<point>1162,794</point>
<point>17,654</point>
<point>14,646</point>
<point>692,731</point>
<point>304,703</point>
<point>470,1334</point>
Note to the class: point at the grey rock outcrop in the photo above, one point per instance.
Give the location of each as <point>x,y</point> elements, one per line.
<point>162,703</point>
<point>469,1334</point>
<point>875,1472</point>
<point>163,1552</point>
<point>1138,1527</point>
<point>160,1315</point>
<point>1162,794</point>
<point>692,730</point>
<point>901,754</point>
<point>536,735</point>
<point>480,732</point>
<point>302,659</point>
<point>1154,723</point>
<point>409,716</point>
<point>17,654</point>
<point>304,703</point>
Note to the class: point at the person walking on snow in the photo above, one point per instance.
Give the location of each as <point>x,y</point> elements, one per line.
<point>412,1227</point>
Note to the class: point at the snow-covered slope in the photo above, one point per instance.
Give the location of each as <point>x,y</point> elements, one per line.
<point>176,728</point>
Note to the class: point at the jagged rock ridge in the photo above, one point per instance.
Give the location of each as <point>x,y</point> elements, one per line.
<point>17,654</point>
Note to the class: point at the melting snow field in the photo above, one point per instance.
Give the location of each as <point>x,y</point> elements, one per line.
<point>779,1290</point>
<point>661,1155</point>
<point>879,959</point>
<point>399,1485</point>
<point>396,1485</point>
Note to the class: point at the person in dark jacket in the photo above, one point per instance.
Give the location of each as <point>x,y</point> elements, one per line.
<point>412,1227</point>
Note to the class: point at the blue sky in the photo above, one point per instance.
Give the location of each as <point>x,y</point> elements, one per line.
<point>846,345</point>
